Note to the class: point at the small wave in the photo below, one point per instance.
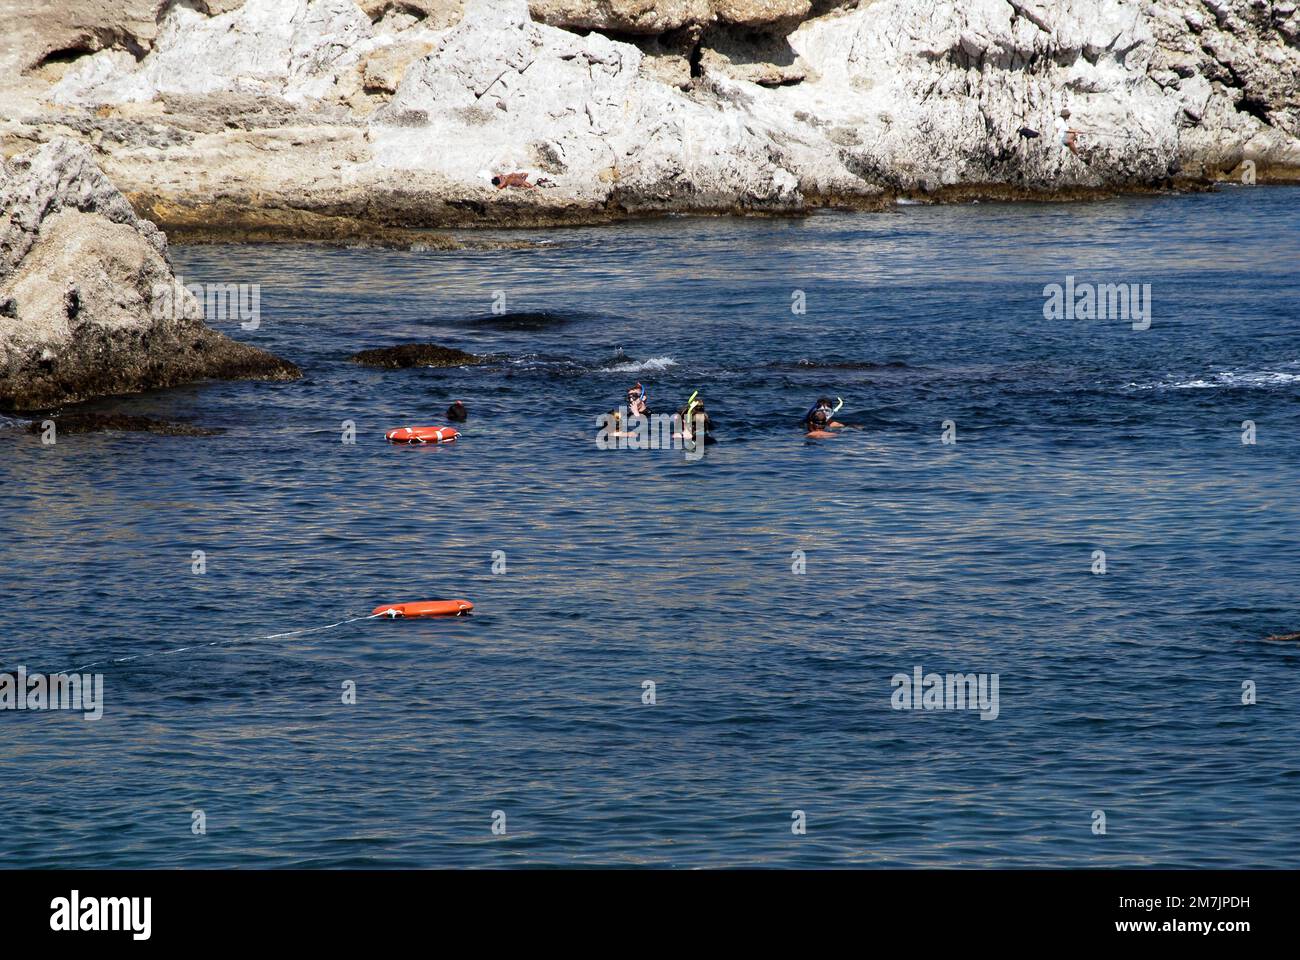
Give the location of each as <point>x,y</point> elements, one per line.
<point>1251,380</point>
<point>639,366</point>
<point>1267,378</point>
<point>7,422</point>
<point>806,364</point>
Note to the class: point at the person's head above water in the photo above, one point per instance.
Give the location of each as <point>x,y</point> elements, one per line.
<point>638,399</point>
<point>819,413</point>
<point>691,413</point>
<point>457,412</point>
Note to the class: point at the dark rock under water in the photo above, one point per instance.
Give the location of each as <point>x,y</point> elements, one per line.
<point>520,321</point>
<point>121,422</point>
<point>415,355</point>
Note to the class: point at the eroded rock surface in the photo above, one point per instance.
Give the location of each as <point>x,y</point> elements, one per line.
<point>89,305</point>
<point>398,112</point>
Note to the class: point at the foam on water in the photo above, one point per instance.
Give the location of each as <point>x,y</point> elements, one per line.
<point>1257,380</point>
<point>642,366</point>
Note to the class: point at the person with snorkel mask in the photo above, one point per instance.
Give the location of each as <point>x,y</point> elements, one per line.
<point>638,399</point>
<point>695,421</point>
<point>819,419</point>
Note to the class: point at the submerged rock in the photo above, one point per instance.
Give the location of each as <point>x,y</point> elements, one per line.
<point>105,422</point>
<point>416,355</point>
<point>89,305</point>
<point>520,321</point>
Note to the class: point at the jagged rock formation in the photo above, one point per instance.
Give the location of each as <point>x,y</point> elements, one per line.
<point>396,112</point>
<point>89,305</point>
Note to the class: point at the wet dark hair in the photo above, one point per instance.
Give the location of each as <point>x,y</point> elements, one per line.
<point>457,412</point>
<point>697,410</point>
<point>496,181</point>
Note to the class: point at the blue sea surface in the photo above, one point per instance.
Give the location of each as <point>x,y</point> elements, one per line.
<point>1119,692</point>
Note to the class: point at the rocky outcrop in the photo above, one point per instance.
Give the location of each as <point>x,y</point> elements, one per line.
<point>397,112</point>
<point>415,355</point>
<point>62,32</point>
<point>504,93</point>
<point>297,51</point>
<point>663,16</point>
<point>89,305</point>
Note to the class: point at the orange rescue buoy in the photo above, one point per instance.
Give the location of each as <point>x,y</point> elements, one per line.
<point>424,608</point>
<point>422,435</point>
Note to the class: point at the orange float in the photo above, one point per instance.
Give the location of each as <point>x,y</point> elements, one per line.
<point>422,435</point>
<point>423,608</point>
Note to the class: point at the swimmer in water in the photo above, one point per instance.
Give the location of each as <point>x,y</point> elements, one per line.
<point>614,420</point>
<point>638,399</point>
<point>818,421</point>
<point>637,405</point>
<point>457,413</point>
<point>696,423</point>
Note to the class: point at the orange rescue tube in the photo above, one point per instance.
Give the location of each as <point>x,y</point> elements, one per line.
<point>422,435</point>
<point>424,608</point>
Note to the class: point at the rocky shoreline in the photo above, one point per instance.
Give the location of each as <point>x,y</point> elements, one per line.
<point>325,119</point>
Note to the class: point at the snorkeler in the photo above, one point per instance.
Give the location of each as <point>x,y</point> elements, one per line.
<point>695,421</point>
<point>638,399</point>
<point>637,405</point>
<point>819,419</point>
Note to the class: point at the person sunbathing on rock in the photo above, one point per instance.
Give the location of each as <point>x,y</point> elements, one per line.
<point>519,179</point>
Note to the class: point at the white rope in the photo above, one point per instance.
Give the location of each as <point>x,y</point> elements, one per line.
<point>218,643</point>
